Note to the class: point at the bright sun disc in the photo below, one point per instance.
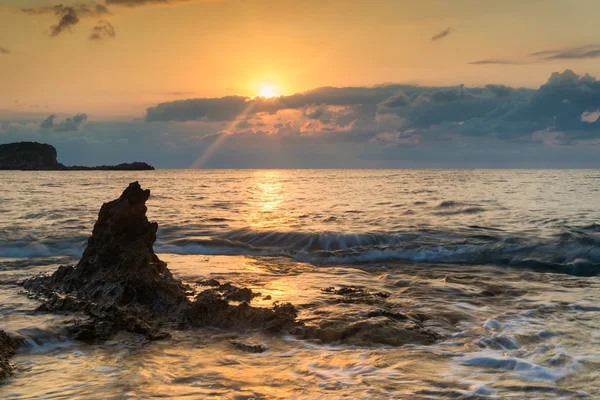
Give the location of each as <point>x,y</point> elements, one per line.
<point>267,92</point>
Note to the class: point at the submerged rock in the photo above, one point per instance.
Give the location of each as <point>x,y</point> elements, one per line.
<point>120,284</point>
<point>8,348</point>
<point>367,332</point>
<point>250,348</point>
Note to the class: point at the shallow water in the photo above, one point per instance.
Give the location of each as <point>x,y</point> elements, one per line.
<point>495,260</point>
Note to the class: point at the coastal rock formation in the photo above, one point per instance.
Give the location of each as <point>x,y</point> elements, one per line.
<point>8,348</point>
<point>28,156</point>
<point>134,166</point>
<point>33,156</point>
<point>121,285</point>
<point>119,266</point>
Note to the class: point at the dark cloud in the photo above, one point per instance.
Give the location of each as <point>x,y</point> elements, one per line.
<point>70,124</point>
<point>68,19</point>
<point>386,126</point>
<point>396,101</point>
<point>221,109</point>
<point>442,34</point>
<point>573,53</point>
<point>427,113</point>
<point>102,30</point>
<point>68,16</point>
<point>82,10</point>
<point>48,123</point>
<point>4,50</point>
<point>499,90</point>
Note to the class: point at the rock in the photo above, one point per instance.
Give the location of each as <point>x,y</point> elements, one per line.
<point>388,314</point>
<point>356,295</point>
<point>119,266</point>
<point>234,293</point>
<point>121,285</point>
<point>40,156</point>
<point>250,348</point>
<point>28,156</point>
<point>210,309</point>
<point>209,282</point>
<point>8,348</point>
<point>373,331</point>
<point>134,166</point>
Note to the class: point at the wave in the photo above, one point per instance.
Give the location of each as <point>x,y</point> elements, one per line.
<point>576,252</point>
<point>32,248</point>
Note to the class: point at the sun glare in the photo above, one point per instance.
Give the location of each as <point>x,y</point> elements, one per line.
<point>267,92</point>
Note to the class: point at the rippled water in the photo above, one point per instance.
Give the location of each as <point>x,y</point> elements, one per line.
<point>503,263</point>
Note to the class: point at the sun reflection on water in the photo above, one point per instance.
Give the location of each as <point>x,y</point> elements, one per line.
<point>266,196</point>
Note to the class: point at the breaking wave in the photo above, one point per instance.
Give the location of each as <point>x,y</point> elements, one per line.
<point>576,252</point>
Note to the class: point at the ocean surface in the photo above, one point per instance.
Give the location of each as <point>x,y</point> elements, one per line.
<point>505,264</point>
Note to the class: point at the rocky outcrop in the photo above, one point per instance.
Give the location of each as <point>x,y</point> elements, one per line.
<point>120,284</point>
<point>134,166</point>
<point>28,156</point>
<point>33,156</point>
<point>119,266</point>
<point>8,348</point>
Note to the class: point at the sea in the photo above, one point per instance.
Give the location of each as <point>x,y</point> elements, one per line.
<point>503,264</point>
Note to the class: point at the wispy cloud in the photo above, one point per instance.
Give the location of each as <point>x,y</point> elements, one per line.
<point>496,61</point>
<point>571,53</point>
<point>442,34</point>
<point>137,3</point>
<point>545,56</point>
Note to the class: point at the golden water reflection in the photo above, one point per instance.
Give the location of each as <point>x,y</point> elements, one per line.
<point>266,196</point>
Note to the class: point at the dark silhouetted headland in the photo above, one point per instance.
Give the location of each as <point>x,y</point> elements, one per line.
<point>33,156</point>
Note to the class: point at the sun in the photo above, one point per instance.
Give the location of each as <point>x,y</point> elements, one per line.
<point>267,92</point>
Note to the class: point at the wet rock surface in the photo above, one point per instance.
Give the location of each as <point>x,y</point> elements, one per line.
<point>381,322</point>
<point>121,285</point>
<point>247,347</point>
<point>8,348</point>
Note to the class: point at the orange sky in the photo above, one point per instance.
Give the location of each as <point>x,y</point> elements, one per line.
<point>222,47</point>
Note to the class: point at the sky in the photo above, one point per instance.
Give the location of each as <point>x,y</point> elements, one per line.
<point>304,84</point>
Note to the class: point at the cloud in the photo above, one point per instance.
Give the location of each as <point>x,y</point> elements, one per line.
<point>392,125</point>
<point>136,3</point>
<point>429,113</point>
<point>572,53</point>
<point>4,50</point>
<point>48,123</point>
<point>70,124</point>
<point>67,20</point>
<point>102,30</point>
<point>442,34</point>
<point>545,56</point>
<point>495,61</point>
<point>68,16</point>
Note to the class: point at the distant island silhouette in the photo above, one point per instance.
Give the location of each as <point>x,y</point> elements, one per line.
<point>34,156</point>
